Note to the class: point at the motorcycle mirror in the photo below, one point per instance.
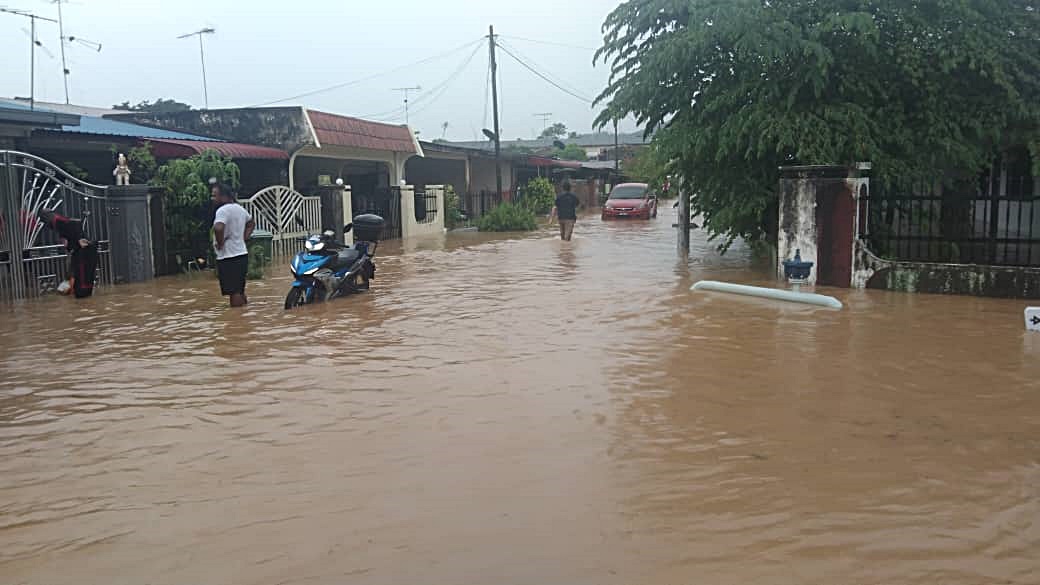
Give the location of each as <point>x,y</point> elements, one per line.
<point>348,227</point>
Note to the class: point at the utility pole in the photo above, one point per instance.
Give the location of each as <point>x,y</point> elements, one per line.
<point>32,49</point>
<point>202,55</point>
<point>617,155</point>
<point>406,91</point>
<point>494,100</point>
<point>545,116</point>
<point>61,39</point>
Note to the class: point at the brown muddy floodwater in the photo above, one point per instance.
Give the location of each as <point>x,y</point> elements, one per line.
<point>517,410</point>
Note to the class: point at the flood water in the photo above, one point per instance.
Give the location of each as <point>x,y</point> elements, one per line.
<point>519,410</point>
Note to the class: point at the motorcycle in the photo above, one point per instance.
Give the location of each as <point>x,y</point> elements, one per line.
<point>327,269</point>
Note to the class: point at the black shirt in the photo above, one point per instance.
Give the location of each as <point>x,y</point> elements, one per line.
<point>567,206</point>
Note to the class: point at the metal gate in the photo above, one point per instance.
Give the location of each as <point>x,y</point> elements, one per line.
<point>33,260</point>
<point>287,214</point>
<point>385,203</point>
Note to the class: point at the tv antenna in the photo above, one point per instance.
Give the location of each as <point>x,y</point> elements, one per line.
<point>406,91</point>
<point>33,43</point>
<point>202,54</point>
<point>545,116</point>
<point>69,39</point>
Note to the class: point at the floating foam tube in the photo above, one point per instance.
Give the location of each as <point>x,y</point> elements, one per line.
<point>768,293</point>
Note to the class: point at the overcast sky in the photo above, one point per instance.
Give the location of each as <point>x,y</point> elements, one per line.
<point>268,50</point>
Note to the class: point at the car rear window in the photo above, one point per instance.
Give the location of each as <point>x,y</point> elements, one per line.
<point>628,193</point>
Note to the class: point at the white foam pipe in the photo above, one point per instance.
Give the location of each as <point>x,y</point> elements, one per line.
<point>768,293</point>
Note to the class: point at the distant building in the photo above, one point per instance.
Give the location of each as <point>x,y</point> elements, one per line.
<point>597,146</point>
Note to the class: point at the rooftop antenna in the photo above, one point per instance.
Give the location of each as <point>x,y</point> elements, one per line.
<point>69,39</point>
<point>33,42</point>
<point>545,116</point>
<point>406,91</point>
<point>202,54</point>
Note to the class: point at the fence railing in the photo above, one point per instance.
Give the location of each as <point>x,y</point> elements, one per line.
<point>383,202</point>
<point>479,203</point>
<point>425,206</point>
<point>997,223</point>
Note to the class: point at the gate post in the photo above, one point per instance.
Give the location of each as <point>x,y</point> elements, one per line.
<point>819,218</point>
<point>12,284</point>
<point>130,233</point>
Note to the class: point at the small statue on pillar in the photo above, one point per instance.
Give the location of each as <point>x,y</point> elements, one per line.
<point>122,170</point>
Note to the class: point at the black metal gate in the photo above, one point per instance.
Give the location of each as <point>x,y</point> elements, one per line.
<point>996,222</point>
<point>385,203</point>
<point>32,260</point>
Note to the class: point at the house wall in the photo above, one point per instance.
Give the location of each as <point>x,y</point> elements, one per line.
<point>285,128</point>
<point>482,176</point>
<point>437,170</point>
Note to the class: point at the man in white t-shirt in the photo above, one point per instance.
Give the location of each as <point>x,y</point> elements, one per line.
<point>232,226</point>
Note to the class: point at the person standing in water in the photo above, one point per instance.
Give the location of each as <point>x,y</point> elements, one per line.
<point>232,226</point>
<point>566,210</point>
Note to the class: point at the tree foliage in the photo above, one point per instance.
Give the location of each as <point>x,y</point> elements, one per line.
<point>570,152</point>
<point>161,105</point>
<point>539,195</point>
<point>557,130</point>
<point>931,89</point>
<point>185,186</point>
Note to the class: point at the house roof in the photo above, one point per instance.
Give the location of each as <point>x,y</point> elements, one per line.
<point>35,119</point>
<point>175,148</point>
<point>336,130</point>
<point>104,126</point>
<point>73,109</point>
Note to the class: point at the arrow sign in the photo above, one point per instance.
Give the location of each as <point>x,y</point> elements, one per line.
<point>1033,319</point>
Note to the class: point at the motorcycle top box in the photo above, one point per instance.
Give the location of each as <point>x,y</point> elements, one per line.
<point>368,227</point>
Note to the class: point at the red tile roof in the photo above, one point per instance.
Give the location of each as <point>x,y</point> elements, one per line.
<point>335,130</point>
<point>174,148</point>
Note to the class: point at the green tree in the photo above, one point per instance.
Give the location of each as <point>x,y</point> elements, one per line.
<point>160,105</point>
<point>185,186</point>
<point>649,165</point>
<point>557,130</point>
<point>734,89</point>
<point>570,152</point>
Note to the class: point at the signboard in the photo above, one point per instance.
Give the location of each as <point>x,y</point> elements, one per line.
<point>1033,319</point>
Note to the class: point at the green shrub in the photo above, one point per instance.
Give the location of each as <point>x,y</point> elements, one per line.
<point>185,187</point>
<point>508,217</point>
<point>257,260</point>
<point>453,216</point>
<point>539,195</point>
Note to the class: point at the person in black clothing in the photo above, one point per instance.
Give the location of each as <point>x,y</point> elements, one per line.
<point>566,211</point>
<point>83,256</point>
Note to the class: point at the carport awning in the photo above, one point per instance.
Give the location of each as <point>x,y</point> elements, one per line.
<point>171,148</point>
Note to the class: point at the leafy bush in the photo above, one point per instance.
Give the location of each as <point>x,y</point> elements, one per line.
<point>257,260</point>
<point>453,216</point>
<point>185,186</point>
<point>508,217</point>
<point>539,195</point>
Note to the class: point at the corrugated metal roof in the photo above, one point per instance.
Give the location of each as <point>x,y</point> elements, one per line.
<point>94,125</point>
<point>170,148</point>
<point>102,126</point>
<point>336,130</point>
<point>59,108</point>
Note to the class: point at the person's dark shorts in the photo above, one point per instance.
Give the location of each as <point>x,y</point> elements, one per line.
<point>232,274</point>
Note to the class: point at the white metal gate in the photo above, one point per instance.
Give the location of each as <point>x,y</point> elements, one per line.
<point>32,260</point>
<point>287,214</point>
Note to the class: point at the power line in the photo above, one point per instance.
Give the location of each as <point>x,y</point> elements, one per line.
<point>543,76</point>
<point>558,79</point>
<point>373,76</point>
<point>551,43</point>
<point>425,99</point>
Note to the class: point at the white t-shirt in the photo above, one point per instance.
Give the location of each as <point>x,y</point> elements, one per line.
<point>234,217</point>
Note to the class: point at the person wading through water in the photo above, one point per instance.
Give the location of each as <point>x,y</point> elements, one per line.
<point>232,226</point>
<point>566,210</point>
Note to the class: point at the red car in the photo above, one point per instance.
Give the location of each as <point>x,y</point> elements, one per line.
<point>630,200</point>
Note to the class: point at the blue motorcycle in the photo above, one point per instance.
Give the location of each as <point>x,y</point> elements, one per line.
<point>327,269</point>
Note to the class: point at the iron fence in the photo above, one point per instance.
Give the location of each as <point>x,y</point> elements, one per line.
<point>425,206</point>
<point>385,203</point>
<point>477,204</point>
<point>996,222</point>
